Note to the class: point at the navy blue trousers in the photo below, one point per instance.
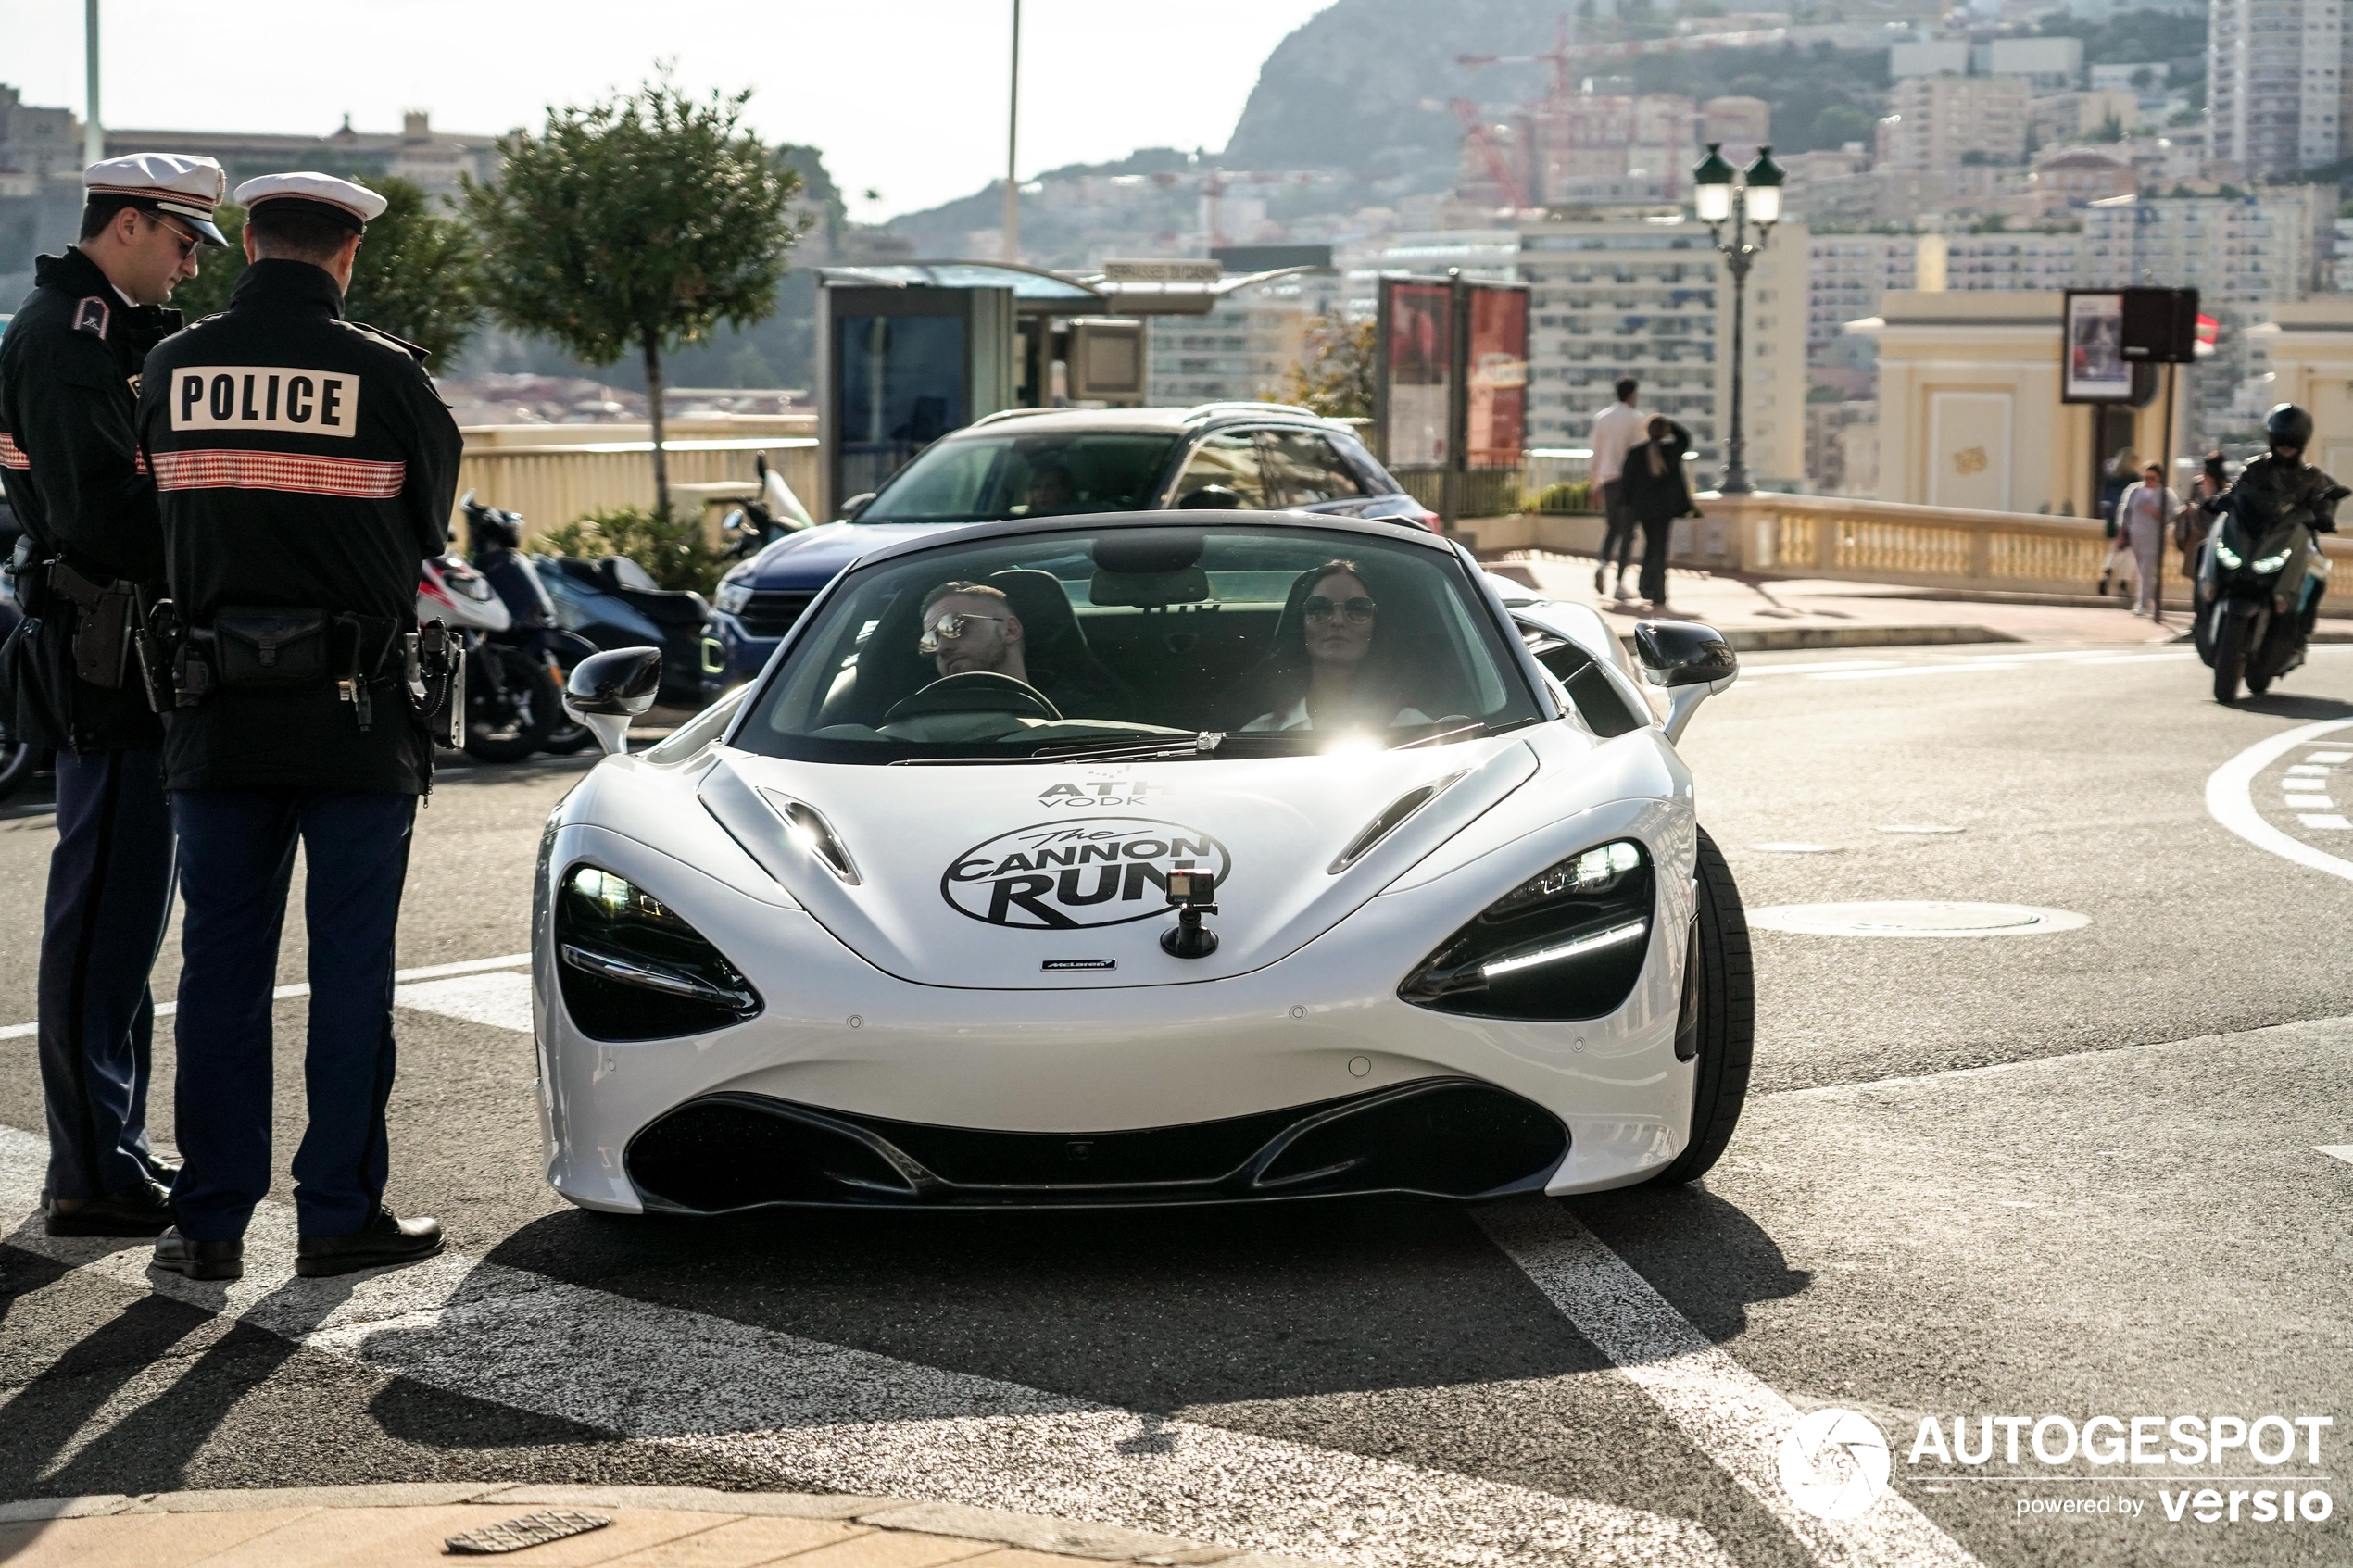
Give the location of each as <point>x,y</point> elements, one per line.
<point>109,898</point>
<point>237,847</point>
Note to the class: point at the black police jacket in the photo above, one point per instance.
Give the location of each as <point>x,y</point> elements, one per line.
<point>69,369</point>
<point>304,461</point>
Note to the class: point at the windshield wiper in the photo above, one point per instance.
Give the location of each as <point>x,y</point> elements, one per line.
<point>1503,728</point>
<point>1203,743</point>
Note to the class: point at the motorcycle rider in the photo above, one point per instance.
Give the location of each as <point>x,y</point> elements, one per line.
<point>2279,482</point>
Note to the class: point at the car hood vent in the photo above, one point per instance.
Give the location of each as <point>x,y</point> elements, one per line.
<point>1380,827</point>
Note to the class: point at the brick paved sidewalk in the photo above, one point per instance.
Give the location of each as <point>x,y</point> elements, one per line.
<point>386,1526</point>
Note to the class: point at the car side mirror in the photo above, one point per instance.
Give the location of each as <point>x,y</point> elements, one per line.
<point>607,690</point>
<point>856,504</point>
<point>1689,661</point>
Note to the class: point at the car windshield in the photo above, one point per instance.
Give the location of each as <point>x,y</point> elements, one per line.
<point>991,478</point>
<point>1143,642</point>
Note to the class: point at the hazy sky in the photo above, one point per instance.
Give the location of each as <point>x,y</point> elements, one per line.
<point>905,96</point>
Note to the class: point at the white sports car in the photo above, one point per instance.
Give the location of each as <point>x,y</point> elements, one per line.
<point>1152,859</point>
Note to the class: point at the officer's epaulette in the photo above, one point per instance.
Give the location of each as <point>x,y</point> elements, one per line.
<point>413,350</point>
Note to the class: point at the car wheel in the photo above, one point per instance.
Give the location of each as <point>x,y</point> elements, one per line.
<point>1718,1017</point>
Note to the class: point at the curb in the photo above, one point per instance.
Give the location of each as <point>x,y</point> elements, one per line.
<point>1073,1540</point>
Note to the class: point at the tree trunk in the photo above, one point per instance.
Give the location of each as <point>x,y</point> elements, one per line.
<point>653,405</point>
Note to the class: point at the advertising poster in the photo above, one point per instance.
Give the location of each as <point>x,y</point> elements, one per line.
<point>1416,359</point>
<point>1498,377</point>
<point>2096,369</point>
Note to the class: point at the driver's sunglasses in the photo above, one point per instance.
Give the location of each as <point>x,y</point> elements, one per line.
<point>188,242</point>
<point>1358,610</point>
<point>948,628</point>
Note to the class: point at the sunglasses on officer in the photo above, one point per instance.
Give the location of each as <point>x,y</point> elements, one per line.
<point>948,628</point>
<point>187,242</point>
<point>1358,610</point>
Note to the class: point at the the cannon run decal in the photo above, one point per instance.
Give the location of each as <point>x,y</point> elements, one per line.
<point>1094,871</point>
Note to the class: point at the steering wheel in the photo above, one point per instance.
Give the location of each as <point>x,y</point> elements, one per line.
<point>975,691</point>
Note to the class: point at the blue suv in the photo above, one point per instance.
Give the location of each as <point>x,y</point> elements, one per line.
<point>1035,462</point>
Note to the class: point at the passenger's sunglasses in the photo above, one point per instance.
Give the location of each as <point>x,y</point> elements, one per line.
<point>188,242</point>
<point>947,629</point>
<point>1358,610</point>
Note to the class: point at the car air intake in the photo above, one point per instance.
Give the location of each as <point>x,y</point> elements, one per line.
<point>1437,1138</point>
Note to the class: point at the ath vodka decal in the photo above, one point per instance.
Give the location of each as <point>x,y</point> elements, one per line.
<point>1060,875</point>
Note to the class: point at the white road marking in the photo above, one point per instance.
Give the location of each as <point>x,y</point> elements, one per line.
<point>2309,768</point>
<point>2230,800</point>
<point>431,972</point>
<point>1959,667</point>
<point>863,1422</point>
<point>2308,802</point>
<point>2331,758</point>
<point>2335,1150</point>
<point>501,1000</point>
<point>2325,820</point>
<point>1727,1410</point>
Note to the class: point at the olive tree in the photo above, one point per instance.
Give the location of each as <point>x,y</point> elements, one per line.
<point>644,222</point>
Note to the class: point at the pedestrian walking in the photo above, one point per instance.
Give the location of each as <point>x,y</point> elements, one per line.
<point>1616,430</point>
<point>2144,513</point>
<point>69,369</point>
<point>1657,493</point>
<point>2192,523</point>
<point>2120,473</point>
<point>306,466</point>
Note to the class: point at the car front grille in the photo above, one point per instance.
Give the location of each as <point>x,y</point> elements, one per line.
<point>1437,1138</point>
<point>773,611</point>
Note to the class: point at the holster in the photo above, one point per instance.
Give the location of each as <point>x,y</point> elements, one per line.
<point>437,684</point>
<point>102,624</point>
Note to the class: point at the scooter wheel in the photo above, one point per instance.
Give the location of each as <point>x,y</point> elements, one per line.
<point>2230,656</point>
<point>507,722</point>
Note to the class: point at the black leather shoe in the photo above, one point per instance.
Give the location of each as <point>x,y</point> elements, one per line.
<point>145,1209</point>
<point>384,1241</point>
<point>200,1260</point>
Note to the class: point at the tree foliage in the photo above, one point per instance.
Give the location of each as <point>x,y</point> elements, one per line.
<point>1335,373</point>
<point>643,222</point>
<point>673,551</point>
<point>416,274</point>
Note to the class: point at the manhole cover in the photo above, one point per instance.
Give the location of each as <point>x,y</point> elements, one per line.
<point>1795,848</point>
<point>1930,829</point>
<point>1920,918</point>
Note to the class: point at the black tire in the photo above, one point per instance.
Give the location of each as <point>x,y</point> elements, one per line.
<point>2230,654</point>
<point>508,723</point>
<point>1719,1017</point>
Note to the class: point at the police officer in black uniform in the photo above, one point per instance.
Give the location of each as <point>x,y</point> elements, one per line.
<point>306,466</point>
<point>91,561</point>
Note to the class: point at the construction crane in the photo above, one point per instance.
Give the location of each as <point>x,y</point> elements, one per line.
<point>1474,131</point>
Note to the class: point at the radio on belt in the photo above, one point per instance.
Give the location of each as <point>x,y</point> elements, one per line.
<point>1193,893</point>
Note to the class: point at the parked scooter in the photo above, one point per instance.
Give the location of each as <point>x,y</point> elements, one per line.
<point>2262,572</point>
<point>615,603</point>
<point>495,538</point>
<point>759,523</point>
<point>511,702</point>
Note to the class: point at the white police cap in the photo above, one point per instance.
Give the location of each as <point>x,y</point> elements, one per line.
<point>188,188</point>
<point>355,207</point>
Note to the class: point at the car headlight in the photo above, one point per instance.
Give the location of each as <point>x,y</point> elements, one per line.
<point>632,970</point>
<point>2226,555</point>
<point>1568,943</point>
<point>735,596</point>
<point>2270,563</point>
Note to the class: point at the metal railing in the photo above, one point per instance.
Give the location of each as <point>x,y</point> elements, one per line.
<point>555,484</point>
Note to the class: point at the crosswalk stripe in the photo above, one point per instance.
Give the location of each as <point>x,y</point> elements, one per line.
<point>827,1415</point>
<point>1733,1416</point>
<point>284,993</point>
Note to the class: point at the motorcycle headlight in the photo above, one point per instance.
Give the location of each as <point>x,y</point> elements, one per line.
<point>2270,563</point>
<point>2226,555</point>
<point>632,970</point>
<point>1568,943</point>
<point>734,596</point>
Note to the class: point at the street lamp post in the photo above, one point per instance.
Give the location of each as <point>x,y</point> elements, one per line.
<point>1757,198</point>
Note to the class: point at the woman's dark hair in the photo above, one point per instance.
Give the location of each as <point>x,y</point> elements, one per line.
<point>2214,466</point>
<point>1283,677</point>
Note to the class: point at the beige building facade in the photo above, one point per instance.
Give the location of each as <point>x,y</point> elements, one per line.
<point>2310,347</point>
<point>1969,412</point>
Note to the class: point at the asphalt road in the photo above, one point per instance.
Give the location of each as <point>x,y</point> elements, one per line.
<point>2072,1174</point>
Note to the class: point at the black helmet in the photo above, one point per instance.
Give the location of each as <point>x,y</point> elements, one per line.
<point>2288,425</point>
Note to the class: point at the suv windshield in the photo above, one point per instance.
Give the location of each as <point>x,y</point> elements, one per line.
<point>990,478</point>
<point>1278,639</point>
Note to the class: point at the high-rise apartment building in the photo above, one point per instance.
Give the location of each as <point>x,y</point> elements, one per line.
<point>2275,82</point>
<point>1632,292</point>
<point>1936,123</point>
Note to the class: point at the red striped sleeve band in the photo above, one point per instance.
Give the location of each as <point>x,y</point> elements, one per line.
<point>294,471</point>
<point>12,455</point>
